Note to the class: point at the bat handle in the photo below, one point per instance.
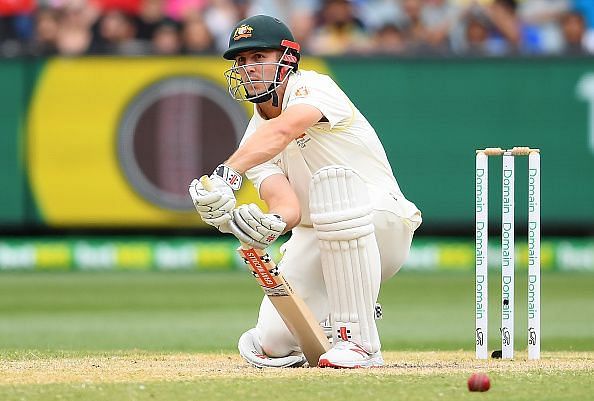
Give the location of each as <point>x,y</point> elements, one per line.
<point>206,183</point>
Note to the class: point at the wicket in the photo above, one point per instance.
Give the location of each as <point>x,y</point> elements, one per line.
<point>507,251</point>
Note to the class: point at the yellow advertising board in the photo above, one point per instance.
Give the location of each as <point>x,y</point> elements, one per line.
<point>115,141</point>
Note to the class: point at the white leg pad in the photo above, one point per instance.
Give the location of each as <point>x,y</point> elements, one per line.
<point>342,217</point>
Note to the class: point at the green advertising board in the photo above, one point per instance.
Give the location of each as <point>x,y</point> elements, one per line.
<point>430,114</point>
<point>12,114</point>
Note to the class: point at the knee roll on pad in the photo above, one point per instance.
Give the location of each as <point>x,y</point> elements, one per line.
<point>339,204</point>
<point>341,213</point>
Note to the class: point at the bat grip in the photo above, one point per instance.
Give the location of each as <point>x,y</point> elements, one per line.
<point>206,183</point>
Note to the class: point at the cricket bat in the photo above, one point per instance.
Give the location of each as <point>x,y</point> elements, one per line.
<point>294,312</point>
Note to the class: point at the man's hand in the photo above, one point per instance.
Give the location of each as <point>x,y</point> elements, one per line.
<point>253,227</point>
<point>214,204</point>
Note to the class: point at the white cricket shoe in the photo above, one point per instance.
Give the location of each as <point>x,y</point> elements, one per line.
<point>347,354</point>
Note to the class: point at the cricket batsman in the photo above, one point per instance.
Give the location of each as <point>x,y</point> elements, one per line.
<point>320,168</point>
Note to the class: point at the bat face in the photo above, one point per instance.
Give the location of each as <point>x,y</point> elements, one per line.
<point>294,312</point>
<point>264,270</point>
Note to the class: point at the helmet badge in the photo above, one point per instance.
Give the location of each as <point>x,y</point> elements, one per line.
<point>242,32</point>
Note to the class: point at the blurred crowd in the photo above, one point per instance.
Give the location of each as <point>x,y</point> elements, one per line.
<point>322,27</point>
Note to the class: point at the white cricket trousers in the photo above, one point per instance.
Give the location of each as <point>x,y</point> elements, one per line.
<point>302,268</point>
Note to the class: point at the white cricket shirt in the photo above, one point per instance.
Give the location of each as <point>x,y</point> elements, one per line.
<point>346,139</point>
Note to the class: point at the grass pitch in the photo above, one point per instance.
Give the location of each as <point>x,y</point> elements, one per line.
<point>406,376</point>
<point>172,336</point>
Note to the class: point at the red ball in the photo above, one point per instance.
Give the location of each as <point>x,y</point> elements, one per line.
<point>479,382</point>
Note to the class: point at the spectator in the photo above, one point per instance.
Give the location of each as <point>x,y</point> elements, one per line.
<point>586,9</point>
<point>439,17</point>
<point>221,16</point>
<point>116,35</point>
<point>196,37</point>
<point>166,39</point>
<point>340,31</point>
<point>506,37</point>
<point>544,16</point>
<point>243,9</point>
<point>73,39</point>
<point>375,14</point>
<point>420,37</point>
<point>414,29</point>
<point>324,27</point>
<point>573,26</point>
<point>83,10</point>
<point>46,32</point>
<point>150,16</point>
<point>426,25</point>
<point>302,23</point>
<point>299,14</point>
<point>507,34</point>
<point>74,36</point>
<point>477,36</point>
<point>389,39</point>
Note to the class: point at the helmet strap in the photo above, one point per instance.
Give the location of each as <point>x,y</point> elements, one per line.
<point>262,98</point>
<point>267,96</point>
<point>274,98</point>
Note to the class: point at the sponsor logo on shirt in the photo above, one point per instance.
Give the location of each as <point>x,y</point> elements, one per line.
<point>302,140</point>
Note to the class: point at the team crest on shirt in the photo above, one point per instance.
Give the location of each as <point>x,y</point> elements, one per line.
<point>302,140</point>
<point>302,92</point>
<point>242,32</point>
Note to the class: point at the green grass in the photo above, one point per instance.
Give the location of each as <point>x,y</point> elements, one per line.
<point>542,387</point>
<point>112,311</point>
<point>208,312</point>
<point>63,322</point>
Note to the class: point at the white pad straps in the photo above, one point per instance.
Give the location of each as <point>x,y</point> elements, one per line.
<point>342,217</point>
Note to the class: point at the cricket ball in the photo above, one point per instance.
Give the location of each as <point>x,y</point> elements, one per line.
<point>478,382</point>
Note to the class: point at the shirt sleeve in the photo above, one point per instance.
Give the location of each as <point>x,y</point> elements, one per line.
<point>259,173</point>
<point>323,94</point>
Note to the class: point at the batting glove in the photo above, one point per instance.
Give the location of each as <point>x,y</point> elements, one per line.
<point>253,227</point>
<point>214,206</point>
